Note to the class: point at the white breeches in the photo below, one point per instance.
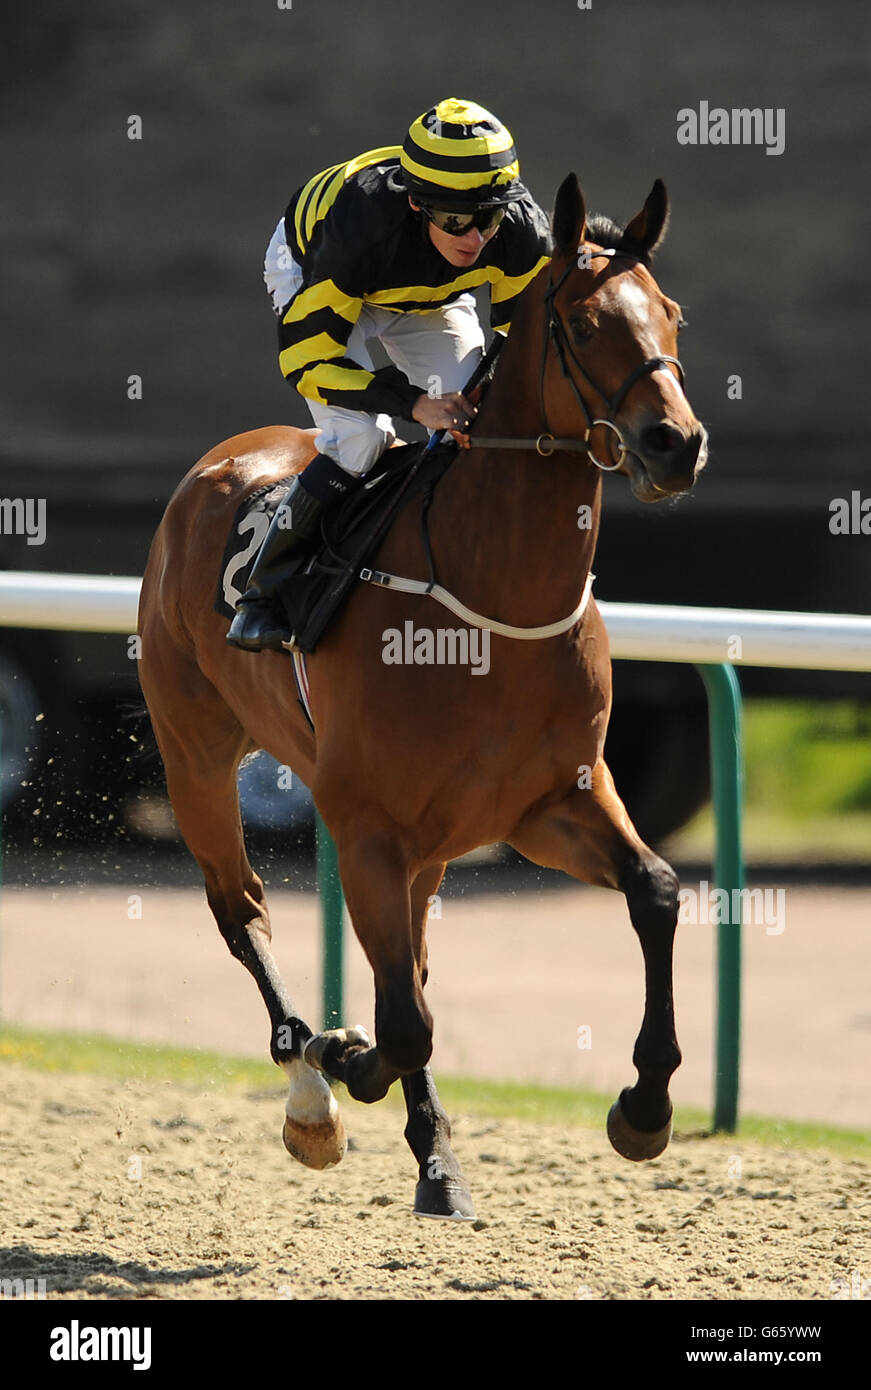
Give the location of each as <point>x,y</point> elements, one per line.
<point>437,351</point>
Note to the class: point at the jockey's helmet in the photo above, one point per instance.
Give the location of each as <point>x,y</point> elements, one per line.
<point>457,156</point>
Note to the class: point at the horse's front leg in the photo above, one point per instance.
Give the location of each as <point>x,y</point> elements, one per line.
<point>376,880</point>
<point>442,1190</point>
<point>590,836</point>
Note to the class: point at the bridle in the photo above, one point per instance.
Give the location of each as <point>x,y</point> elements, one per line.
<point>546,444</point>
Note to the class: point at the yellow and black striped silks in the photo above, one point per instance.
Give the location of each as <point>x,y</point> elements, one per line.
<point>354,234</point>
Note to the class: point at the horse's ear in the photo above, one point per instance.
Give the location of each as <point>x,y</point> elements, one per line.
<point>647,229</point>
<point>569,216</point>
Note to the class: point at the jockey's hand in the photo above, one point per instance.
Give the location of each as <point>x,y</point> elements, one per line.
<point>453,412</point>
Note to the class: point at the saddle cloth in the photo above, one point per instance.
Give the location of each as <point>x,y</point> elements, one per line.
<point>350,536</point>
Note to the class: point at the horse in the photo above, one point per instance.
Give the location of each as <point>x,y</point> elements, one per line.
<point>412,765</point>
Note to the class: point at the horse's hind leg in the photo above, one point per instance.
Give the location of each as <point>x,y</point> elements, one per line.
<point>441,1189</point>
<point>201,743</point>
<point>590,836</point>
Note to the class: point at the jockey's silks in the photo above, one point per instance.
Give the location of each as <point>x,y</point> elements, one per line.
<point>357,240</point>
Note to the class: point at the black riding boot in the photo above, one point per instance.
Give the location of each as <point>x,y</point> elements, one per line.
<point>260,623</point>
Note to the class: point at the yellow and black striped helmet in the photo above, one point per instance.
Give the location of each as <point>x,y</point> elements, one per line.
<point>458,156</point>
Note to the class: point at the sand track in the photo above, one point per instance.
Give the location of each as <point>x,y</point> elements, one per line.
<point>221,1212</point>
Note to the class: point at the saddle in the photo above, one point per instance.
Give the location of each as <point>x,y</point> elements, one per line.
<point>349,539</point>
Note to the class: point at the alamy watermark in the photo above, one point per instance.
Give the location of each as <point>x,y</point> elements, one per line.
<point>740,125</point>
<point>717,906</point>
<point>855,1288</point>
<point>22,1288</point>
<point>424,646</point>
<point>77,1343</point>
<point>23,516</point>
<point>850,517</point>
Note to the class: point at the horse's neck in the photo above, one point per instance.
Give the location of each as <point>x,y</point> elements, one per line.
<point>509,533</point>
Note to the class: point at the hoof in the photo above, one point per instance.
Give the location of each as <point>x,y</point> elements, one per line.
<point>635,1144</point>
<point>443,1200</point>
<point>338,1040</point>
<point>313,1130</point>
<point>317,1146</point>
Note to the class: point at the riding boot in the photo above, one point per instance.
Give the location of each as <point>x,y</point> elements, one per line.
<point>260,622</point>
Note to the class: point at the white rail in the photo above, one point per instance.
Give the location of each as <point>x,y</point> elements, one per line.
<point>68,602</point>
<point>740,636</point>
<point>637,631</point>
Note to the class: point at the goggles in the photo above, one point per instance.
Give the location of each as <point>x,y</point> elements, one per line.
<point>459,223</point>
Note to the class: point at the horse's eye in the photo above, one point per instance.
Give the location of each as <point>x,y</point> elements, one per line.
<point>582,330</point>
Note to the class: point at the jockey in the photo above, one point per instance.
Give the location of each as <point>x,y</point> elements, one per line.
<point>388,246</point>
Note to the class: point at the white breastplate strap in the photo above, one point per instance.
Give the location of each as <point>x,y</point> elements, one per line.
<point>525,634</point>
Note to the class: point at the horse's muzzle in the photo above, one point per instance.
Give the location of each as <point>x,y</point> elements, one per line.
<point>666,462</point>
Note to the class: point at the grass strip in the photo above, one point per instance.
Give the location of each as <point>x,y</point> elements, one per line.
<point>121,1060</point>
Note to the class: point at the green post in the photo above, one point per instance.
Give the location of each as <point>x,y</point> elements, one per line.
<point>727,779</point>
<point>332,908</point>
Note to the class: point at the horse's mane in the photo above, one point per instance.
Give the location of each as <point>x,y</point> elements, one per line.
<point>603,231</point>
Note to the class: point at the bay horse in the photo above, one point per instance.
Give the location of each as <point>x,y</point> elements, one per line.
<point>413,765</point>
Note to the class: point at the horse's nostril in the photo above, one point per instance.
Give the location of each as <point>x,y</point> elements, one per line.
<point>662,439</point>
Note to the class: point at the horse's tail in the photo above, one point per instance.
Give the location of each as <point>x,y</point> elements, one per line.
<point>135,719</point>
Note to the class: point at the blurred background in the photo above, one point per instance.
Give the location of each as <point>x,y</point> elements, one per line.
<point>143,257</point>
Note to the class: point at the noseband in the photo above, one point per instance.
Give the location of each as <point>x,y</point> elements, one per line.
<point>546,444</point>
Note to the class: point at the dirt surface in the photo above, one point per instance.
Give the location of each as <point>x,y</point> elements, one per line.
<point>514,975</point>
<point>220,1211</point>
